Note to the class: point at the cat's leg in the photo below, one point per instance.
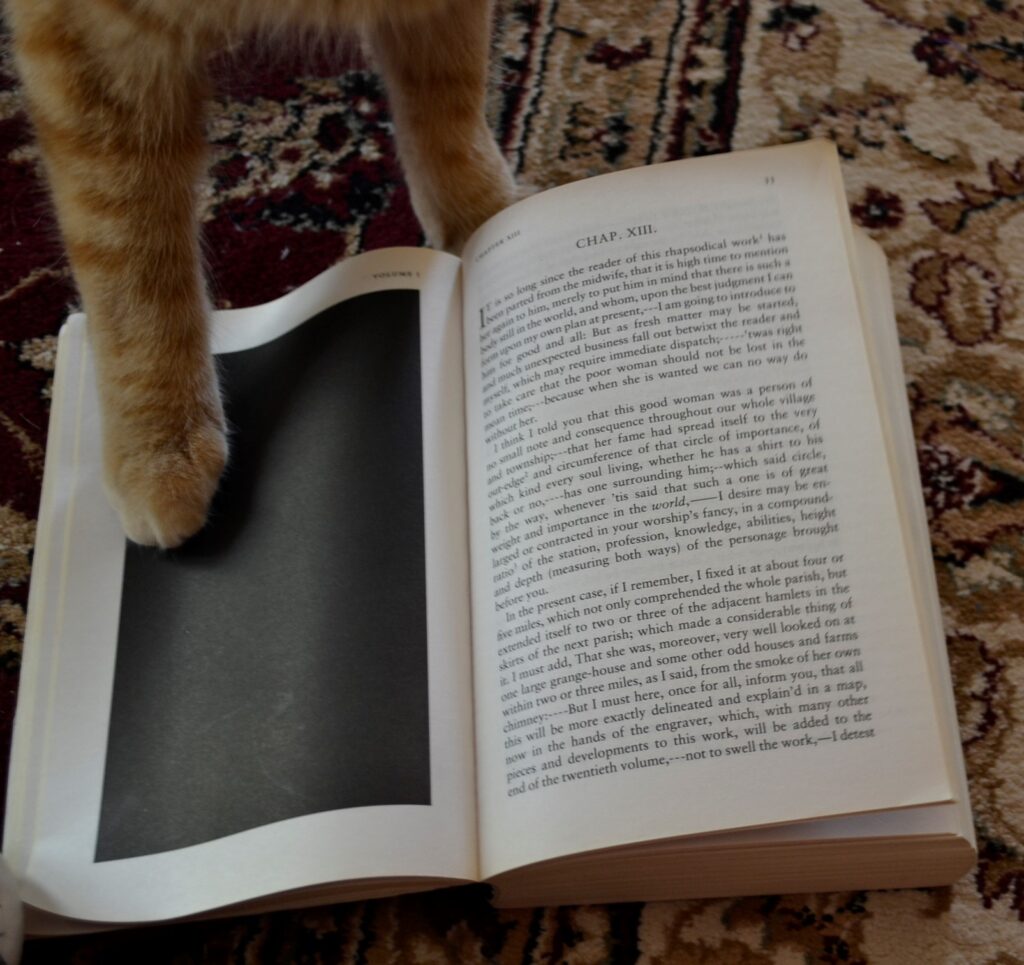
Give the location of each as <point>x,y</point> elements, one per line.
<point>435,67</point>
<point>118,108</point>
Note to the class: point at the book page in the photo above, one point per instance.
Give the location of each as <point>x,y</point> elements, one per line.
<point>692,604</point>
<point>882,339</point>
<point>284,702</point>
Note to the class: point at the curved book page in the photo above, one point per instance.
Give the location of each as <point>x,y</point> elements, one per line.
<point>694,604</point>
<point>283,702</point>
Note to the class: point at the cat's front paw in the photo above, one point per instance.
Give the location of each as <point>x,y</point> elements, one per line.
<point>453,207</point>
<point>162,486</point>
<point>457,223</point>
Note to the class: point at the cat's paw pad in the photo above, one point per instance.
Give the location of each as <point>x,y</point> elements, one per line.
<point>163,492</point>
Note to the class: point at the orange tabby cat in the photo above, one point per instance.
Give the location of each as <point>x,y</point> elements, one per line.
<point>116,90</point>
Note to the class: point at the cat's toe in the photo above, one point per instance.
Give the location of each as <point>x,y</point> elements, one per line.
<point>163,493</point>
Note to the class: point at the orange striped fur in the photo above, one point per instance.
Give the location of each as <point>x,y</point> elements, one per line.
<point>116,90</point>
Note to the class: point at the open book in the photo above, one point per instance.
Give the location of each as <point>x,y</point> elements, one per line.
<point>594,566</point>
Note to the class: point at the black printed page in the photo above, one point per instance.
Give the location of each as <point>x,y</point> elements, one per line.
<point>692,604</point>
<point>284,702</point>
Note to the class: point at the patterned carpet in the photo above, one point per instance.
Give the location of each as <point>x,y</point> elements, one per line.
<point>926,102</point>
